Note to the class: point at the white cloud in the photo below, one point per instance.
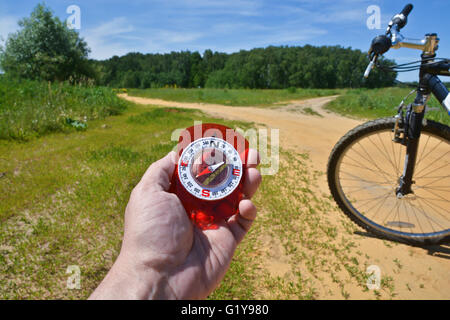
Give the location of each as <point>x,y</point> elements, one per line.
<point>103,39</point>
<point>118,37</point>
<point>8,24</point>
<point>231,7</point>
<point>168,36</point>
<point>116,26</point>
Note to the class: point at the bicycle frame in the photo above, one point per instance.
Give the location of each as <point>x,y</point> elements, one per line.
<point>428,83</point>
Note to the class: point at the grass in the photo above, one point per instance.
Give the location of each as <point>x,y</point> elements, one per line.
<point>377,103</point>
<point>233,97</point>
<point>63,195</point>
<point>30,109</point>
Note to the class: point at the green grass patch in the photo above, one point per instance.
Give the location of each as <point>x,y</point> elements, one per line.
<point>377,103</point>
<point>233,97</point>
<point>31,108</point>
<point>160,116</point>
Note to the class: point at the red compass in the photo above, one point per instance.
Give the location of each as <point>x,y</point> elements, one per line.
<point>209,175</point>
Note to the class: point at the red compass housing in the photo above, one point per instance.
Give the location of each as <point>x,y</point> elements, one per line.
<point>210,173</point>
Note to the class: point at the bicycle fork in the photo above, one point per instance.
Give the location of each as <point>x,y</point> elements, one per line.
<point>411,126</point>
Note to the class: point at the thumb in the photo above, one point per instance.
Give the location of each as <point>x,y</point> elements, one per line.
<point>158,175</point>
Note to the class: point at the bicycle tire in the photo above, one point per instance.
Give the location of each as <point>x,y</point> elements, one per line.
<point>352,137</point>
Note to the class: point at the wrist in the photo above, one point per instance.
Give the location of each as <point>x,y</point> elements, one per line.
<point>132,281</point>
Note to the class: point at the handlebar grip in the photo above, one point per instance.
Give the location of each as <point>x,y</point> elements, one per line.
<point>407,9</point>
<point>400,19</point>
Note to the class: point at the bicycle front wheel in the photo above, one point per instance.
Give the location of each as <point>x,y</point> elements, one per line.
<point>364,170</point>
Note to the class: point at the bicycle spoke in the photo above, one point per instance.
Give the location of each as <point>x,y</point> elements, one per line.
<point>376,166</point>
<point>364,180</point>
<point>373,198</point>
<point>435,206</point>
<point>445,164</point>
<point>364,168</point>
<point>417,218</point>
<point>384,201</point>
<point>387,154</point>
<point>434,181</point>
<point>397,170</point>
<point>376,171</point>
<point>386,195</point>
<point>423,152</point>
<point>426,189</point>
<point>394,208</point>
<point>428,217</point>
<point>432,177</point>
<point>430,152</point>
<point>359,189</point>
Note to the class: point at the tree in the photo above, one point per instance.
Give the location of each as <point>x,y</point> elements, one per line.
<point>45,48</point>
<point>271,67</point>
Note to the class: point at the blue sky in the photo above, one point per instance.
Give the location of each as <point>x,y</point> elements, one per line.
<point>113,27</point>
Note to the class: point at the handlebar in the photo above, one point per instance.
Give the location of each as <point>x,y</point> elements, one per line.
<point>381,44</point>
<point>407,9</point>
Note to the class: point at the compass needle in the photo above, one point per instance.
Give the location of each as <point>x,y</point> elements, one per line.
<point>214,174</point>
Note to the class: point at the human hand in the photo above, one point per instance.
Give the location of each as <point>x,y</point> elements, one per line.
<point>165,256</point>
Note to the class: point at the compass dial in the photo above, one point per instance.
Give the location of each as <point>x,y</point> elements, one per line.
<point>210,168</point>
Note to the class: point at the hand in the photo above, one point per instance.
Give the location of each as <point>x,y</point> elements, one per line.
<point>163,255</point>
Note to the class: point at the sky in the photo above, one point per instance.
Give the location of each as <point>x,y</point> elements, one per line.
<point>113,27</point>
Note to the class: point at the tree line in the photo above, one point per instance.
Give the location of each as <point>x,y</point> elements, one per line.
<point>45,49</point>
<point>260,68</point>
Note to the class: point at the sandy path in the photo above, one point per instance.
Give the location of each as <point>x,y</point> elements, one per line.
<point>425,271</point>
<point>298,131</point>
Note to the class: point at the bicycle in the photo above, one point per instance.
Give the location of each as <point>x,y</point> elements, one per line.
<point>408,203</point>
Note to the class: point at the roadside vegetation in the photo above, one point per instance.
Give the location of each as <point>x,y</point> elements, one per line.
<point>234,97</point>
<point>31,108</point>
<point>383,102</point>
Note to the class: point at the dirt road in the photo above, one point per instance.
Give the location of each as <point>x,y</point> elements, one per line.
<point>314,132</point>
<point>305,126</point>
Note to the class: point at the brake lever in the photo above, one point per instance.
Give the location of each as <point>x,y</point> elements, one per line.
<point>370,66</point>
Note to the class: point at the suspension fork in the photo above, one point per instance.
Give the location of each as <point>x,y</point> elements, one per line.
<point>413,128</point>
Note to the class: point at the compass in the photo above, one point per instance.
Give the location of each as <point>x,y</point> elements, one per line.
<point>210,173</point>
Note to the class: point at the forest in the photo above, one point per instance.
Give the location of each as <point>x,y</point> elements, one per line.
<point>260,68</point>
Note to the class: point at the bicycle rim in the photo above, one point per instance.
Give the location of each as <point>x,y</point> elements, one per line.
<point>367,174</point>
